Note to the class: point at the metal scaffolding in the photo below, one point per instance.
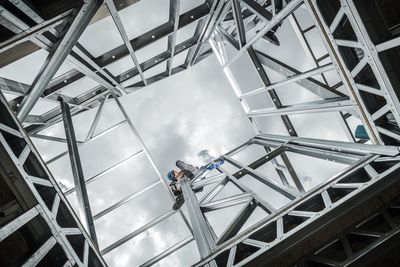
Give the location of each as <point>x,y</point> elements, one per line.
<point>41,216</point>
<point>332,196</point>
<point>359,50</point>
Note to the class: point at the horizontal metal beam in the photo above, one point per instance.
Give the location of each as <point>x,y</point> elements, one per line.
<point>311,84</point>
<point>153,35</point>
<point>138,232</point>
<point>14,225</point>
<point>125,200</point>
<point>27,10</point>
<point>345,147</point>
<point>226,202</point>
<point>292,79</point>
<point>331,105</point>
<point>167,252</point>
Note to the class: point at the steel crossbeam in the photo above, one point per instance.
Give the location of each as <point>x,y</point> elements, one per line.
<point>362,157</point>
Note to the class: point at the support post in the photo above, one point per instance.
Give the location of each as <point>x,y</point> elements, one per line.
<point>201,232</point>
<point>77,171</point>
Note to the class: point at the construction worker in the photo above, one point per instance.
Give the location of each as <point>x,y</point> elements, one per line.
<point>175,175</point>
<point>190,172</point>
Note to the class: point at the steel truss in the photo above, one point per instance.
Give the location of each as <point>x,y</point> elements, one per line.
<point>242,24</point>
<point>305,210</point>
<point>46,35</point>
<point>268,242</point>
<point>374,239</point>
<point>365,92</point>
<point>59,36</point>
<point>22,168</point>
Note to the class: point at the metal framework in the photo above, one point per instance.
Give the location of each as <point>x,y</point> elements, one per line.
<point>273,240</point>
<point>243,35</point>
<point>39,216</point>
<point>302,209</point>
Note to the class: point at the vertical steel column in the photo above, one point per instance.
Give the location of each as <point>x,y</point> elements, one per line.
<point>201,232</point>
<point>77,171</point>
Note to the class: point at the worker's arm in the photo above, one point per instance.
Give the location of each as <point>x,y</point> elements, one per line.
<point>180,175</point>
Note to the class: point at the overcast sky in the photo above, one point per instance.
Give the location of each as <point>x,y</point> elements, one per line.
<point>192,116</point>
<point>193,111</point>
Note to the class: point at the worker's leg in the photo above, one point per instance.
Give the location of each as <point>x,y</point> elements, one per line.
<point>179,200</point>
<point>186,167</point>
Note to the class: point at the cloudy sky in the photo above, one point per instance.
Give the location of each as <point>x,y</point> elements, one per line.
<point>192,116</point>
<point>177,118</point>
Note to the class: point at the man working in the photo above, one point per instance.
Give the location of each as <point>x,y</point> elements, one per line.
<point>174,176</point>
<point>189,171</point>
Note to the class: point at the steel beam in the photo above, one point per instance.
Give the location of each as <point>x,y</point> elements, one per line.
<point>20,221</point>
<point>273,95</point>
<point>77,171</point>
<point>174,6</point>
<point>295,78</point>
<point>344,147</point>
<point>344,73</point>
<point>27,10</point>
<point>33,31</point>
<point>388,45</point>
<point>137,232</point>
<point>33,178</point>
<point>237,14</point>
<point>287,10</point>
<point>13,23</point>
<point>125,200</point>
<point>96,119</point>
<point>57,56</point>
<point>316,232</point>
<point>13,87</point>
<point>201,232</point>
<point>40,253</point>
<point>332,105</point>
<point>225,202</point>
<point>167,252</point>
<point>310,84</point>
<point>204,29</point>
<point>238,222</point>
<point>265,205</point>
<point>281,189</point>
<point>117,20</point>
